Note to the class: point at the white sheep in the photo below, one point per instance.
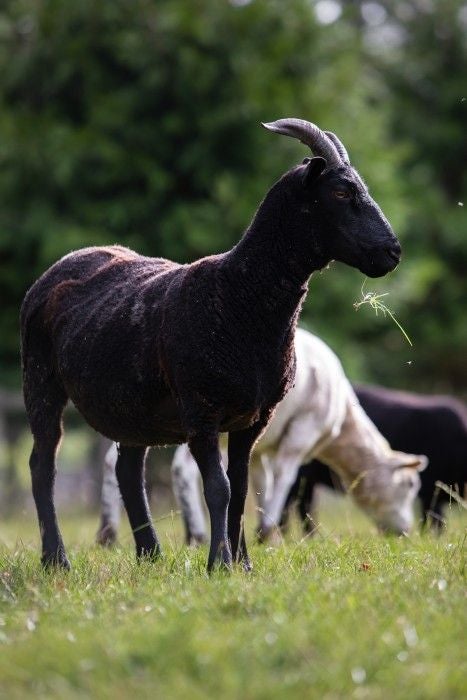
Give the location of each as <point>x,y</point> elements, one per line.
<point>319,417</point>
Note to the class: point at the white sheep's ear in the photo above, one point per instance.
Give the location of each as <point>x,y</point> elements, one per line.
<point>417,462</point>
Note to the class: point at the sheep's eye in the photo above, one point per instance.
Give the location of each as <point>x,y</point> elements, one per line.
<point>341,194</point>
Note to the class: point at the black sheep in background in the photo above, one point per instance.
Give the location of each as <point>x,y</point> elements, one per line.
<point>434,425</point>
<point>152,352</point>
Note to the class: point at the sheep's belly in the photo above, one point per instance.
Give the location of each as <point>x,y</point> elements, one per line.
<point>160,426</point>
<point>239,422</point>
<point>133,422</point>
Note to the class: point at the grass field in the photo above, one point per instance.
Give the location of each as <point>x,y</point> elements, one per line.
<point>348,614</point>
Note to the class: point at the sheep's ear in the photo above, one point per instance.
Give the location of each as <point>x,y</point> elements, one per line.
<point>417,462</point>
<point>422,463</point>
<point>314,168</point>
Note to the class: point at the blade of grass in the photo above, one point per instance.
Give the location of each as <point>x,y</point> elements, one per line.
<point>374,300</point>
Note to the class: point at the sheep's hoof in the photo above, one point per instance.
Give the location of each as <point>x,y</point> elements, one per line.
<point>55,560</point>
<point>196,540</point>
<point>220,567</point>
<point>263,534</point>
<point>247,565</point>
<point>221,562</point>
<point>106,536</point>
<point>309,529</point>
<point>151,555</point>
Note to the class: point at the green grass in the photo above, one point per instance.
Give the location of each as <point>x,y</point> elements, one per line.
<point>348,614</point>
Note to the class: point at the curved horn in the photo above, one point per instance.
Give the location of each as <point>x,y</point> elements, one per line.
<point>339,145</point>
<point>310,135</point>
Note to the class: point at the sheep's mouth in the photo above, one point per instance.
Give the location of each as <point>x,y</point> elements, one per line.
<point>401,529</point>
<point>380,264</point>
<point>392,532</point>
<point>394,255</point>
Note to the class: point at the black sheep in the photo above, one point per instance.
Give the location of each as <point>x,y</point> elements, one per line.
<point>434,425</point>
<point>153,352</point>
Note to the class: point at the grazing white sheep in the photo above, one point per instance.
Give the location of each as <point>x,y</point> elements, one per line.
<point>319,417</point>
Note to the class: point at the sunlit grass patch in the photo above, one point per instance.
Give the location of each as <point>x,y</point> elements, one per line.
<point>345,614</point>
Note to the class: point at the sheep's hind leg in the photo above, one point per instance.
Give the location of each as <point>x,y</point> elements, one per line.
<point>205,450</point>
<point>45,402</point>
<point>240,446</point>
<point>292,498</point>
<point>306,506</point>
<point>130,476</point>
<point>110,501</point>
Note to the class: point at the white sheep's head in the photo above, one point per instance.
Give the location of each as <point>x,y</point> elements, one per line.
<point>387,492</point>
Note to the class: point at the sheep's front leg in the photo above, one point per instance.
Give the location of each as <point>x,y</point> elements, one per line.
<point>240,446</point>
<point>432,509</point>
<point>110,500</point>
<point>306,506</point>
<point>301,439</point>
<point>205,450</point>
<point>286,469</point>
<point>292,497</point>
<point>262,482</point>
<point>130,476</point>
<point>186,488</point>
<point>45,400</point>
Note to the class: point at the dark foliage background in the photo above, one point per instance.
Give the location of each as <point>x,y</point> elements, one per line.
<point>135,121</point>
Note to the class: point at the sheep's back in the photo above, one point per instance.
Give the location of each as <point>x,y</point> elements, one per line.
<point>432,425</point>
<point>98,310</point>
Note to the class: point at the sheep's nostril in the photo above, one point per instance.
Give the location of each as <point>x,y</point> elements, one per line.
<point>394,252</point>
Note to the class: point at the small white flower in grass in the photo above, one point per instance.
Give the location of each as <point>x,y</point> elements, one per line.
<point>442,584</point>
<point>358,674</point>
<point>147,608</point>
<point>411,636</point>
<point>460,204</point>
<point>402,656</point>
<point>387,638</point>
<point>270,638</point>
<point>30,624</point>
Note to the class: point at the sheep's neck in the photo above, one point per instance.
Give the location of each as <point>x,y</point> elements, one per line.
<point>359,446</point>
<point>267,270</point>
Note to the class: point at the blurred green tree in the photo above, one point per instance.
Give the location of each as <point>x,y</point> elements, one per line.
<point>419,51</point>
<point>136,122</point>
